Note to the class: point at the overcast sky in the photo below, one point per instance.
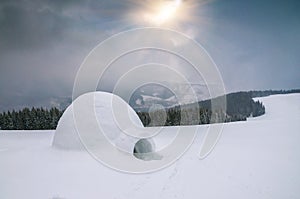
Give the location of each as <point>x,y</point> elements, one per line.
<point>254,43</point>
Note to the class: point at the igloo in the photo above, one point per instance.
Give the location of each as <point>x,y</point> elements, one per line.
<point>109,129</point>
<point>100,112</point>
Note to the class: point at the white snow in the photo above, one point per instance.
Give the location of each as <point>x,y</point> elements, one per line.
<point>259,158</point>
<point>280,107</point>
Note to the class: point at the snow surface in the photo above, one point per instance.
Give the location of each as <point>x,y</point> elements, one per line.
<point>259,158</point>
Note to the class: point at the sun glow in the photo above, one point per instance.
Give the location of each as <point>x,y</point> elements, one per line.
<point>163,12</point>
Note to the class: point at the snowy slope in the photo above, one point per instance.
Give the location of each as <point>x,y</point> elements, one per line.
<point>259,158</point>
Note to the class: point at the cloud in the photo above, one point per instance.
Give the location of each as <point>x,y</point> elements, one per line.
<point>42,44</point>
<point>26,25</point>
<point>37,24</point>
<point>256,44</point>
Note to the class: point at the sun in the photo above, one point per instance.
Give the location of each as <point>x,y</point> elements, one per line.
<point>163,12</point>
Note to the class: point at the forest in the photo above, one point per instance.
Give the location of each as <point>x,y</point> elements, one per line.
<point>239,106</point>
<point>30,119</point>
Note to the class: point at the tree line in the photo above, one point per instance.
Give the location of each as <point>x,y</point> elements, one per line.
<point>239,106</point>
<point>272,92</point>
<point>30,119</point>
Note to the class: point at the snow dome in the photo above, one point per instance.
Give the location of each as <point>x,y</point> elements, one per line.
<point>103,111</point>
<point>104,125</point>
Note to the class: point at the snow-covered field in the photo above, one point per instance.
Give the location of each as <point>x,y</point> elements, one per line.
<point>259,158</point>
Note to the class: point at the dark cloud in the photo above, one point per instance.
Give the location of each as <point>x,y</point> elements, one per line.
<point>37,24</point>
<point>27,25</point>
<point>42,44</point>
<point>256,44</point>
